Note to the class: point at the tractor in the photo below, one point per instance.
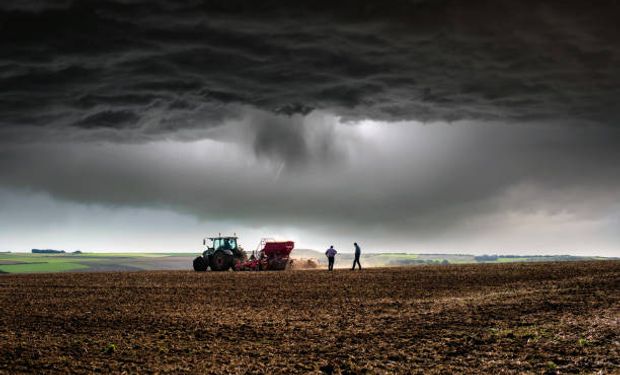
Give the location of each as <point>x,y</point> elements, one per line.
<point>224,254</point>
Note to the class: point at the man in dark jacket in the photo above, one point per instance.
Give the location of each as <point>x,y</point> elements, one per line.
<point>358,252</point>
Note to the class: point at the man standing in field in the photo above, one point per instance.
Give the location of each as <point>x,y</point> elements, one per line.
<point>358,252</point>
<point>331,257</point>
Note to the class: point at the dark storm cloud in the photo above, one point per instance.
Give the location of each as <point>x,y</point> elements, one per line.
<point>163,65</point>
<point>108,119</point>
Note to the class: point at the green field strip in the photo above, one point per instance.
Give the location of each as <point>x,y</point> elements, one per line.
<point>37,259</point>
<point>41,267</point>
<point>28,258</point>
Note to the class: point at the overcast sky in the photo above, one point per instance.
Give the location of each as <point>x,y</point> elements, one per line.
<point>421,126</point>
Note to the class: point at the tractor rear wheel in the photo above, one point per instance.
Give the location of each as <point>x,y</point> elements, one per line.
<point>200,264</point>
<point>221,261</point>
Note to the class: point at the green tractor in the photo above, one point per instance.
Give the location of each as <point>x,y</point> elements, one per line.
<point>222,255</point>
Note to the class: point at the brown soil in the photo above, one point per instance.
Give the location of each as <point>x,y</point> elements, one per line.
<point>512,318</point>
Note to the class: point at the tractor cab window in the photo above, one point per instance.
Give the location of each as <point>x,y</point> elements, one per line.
<point>224,243</point>
<point>229,244</point>
<point>217,243</point>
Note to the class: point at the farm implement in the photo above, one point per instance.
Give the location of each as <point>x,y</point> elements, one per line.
<point>224,254</point>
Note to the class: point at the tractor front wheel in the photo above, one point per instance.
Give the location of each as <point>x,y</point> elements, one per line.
<point>221,261</point>
<point>200,264</point>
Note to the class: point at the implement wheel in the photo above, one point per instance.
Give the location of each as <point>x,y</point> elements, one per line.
<point>200,264</point>
<point>221,261</point>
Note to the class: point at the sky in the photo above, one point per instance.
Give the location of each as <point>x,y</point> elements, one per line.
<point>424,126</point>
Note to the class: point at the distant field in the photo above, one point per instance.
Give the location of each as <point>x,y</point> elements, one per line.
<point>35,263</point>
<point>85,262</point>
<point>41,267</point>
<point>513,318</point>
<point>344,260</point>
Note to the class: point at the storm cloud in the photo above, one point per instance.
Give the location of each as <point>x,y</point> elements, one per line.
<point>423,120</point>
<point>115,63</point>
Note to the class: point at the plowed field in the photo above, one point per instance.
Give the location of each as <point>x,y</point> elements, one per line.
<point>543,317</point>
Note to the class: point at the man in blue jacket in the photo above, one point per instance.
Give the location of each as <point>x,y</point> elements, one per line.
<point>331,257</point>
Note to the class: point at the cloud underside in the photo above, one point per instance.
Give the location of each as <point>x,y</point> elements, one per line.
<point>427,181</point>
<point>152,67</point>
